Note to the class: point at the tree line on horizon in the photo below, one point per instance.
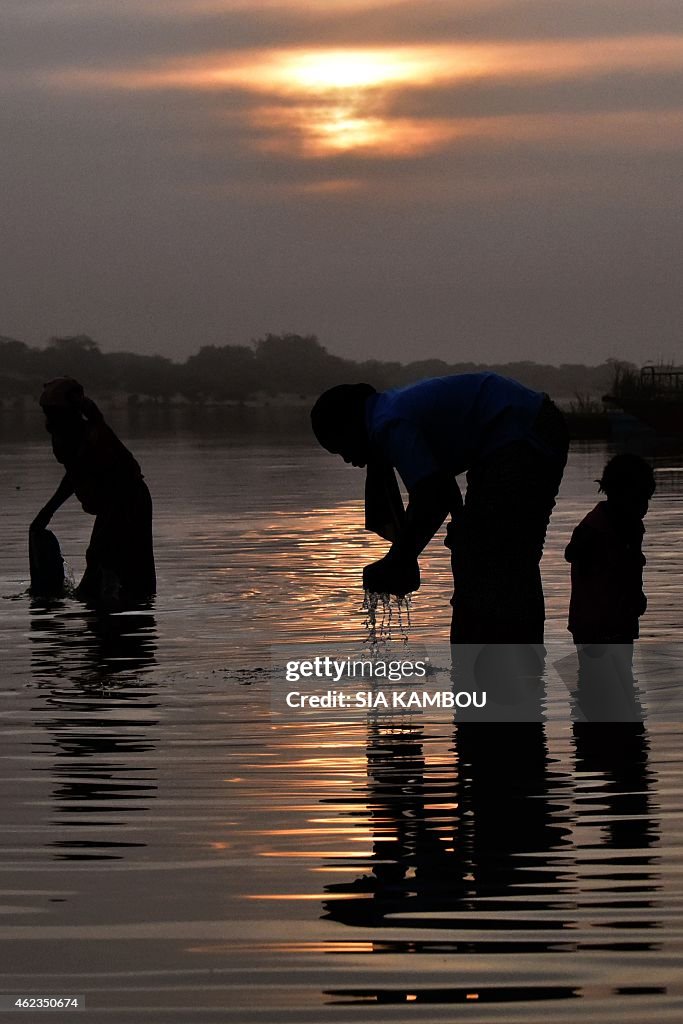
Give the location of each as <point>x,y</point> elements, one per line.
<point>276,365</point>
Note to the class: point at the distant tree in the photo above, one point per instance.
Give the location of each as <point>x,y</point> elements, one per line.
<point>277,364</point>
<point>14,355</point>
<point>18,372</point>
<point>424,368</point>
<point>141,375</point>
<point>381,375</point>
<point>298,364</point>
<point>74,344</point>
<point>220,373</point>
<point>74,356</point>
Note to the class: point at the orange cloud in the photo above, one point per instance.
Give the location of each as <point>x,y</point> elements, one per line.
<point>321,101</point>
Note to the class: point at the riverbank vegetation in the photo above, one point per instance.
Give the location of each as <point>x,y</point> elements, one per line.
<point>285,367</point>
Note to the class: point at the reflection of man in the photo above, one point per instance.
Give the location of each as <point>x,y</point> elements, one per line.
<point>502,834</point>
<point>511,441</point>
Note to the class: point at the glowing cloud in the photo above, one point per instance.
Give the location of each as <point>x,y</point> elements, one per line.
<point>355,69</point>
<point>321,102</point>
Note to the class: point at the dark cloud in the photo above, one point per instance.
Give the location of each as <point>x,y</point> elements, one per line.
<point>53,34</point>
<point>508,95</point>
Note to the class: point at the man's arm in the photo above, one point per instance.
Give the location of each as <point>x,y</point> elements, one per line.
<point>62,494</point>
<point>429,502</point>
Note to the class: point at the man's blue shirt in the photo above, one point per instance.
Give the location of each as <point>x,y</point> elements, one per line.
<point>449,423</point>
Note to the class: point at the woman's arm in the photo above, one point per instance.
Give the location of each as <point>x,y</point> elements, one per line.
<point>62,494</point>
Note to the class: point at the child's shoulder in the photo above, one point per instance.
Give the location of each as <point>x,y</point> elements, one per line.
<point>588,537</point>
<point>597,519</point>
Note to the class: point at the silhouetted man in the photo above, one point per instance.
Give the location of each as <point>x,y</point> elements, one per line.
<point>512,443</point>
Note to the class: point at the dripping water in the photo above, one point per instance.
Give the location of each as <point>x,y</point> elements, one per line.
<point>385,616</point>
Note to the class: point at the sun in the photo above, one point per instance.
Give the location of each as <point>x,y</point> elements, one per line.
<point>348,69</point>
<point>342,93</point>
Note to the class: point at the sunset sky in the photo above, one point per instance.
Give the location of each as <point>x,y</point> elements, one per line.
<point>479,180</point>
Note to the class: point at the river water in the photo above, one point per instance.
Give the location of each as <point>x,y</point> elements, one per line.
<point>172,850</point>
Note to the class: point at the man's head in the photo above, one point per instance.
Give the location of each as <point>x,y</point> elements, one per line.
<point>629,483</point>
<point>338,421</point>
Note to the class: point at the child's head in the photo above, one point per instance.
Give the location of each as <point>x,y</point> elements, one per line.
<point>629,483</point>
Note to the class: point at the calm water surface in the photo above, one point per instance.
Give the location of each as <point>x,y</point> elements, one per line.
<point>172,851</point>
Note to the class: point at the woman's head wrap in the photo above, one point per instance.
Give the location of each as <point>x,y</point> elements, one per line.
<point>61,393</point>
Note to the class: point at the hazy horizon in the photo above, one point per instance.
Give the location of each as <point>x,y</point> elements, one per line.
<point>492,182</point>
<point>252,343</point>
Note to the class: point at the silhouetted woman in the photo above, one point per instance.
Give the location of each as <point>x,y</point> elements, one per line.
<point>107,481</point>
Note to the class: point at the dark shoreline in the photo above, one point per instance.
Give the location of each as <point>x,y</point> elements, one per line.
<point>288,420</point>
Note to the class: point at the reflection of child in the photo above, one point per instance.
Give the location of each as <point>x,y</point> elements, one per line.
<point>606,556</point>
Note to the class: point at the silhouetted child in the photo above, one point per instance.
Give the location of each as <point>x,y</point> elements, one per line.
<point>607,599</point>
<point>606,556</point>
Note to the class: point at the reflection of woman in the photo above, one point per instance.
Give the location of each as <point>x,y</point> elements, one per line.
<point>107,481</point>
